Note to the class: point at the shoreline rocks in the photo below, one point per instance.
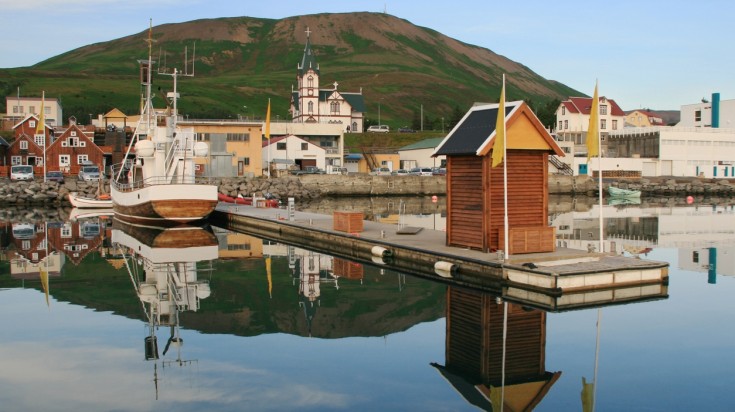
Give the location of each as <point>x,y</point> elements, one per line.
<point>310,187</point>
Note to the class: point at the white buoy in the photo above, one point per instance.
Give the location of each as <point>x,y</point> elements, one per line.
<point>443,268</point>
<point>381,251</point>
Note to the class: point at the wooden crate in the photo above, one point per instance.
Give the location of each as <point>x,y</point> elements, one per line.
<point>350,222</point>
<point>530,239</point>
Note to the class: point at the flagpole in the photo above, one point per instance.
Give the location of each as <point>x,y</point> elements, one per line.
<point>599,185</point>
<point>506,255</point>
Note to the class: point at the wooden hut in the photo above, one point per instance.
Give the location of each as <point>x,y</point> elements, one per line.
<point>475,195</point>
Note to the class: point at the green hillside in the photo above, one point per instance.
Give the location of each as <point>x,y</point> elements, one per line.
<point>245,61</point>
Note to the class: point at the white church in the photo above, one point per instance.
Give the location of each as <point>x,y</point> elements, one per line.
<point>310,104</point>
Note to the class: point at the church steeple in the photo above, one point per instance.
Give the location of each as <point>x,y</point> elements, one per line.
<point>308,61</point>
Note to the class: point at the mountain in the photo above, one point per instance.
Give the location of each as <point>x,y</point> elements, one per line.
<point>241,62</point>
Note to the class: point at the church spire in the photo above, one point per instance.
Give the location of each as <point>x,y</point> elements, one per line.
<point>308,61</point>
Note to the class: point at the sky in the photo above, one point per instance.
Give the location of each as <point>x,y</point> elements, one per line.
<point>644,54</point>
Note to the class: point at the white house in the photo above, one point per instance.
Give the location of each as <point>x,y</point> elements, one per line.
<point>17,108</point>
<point>419,154</point>
<point>311,104</point>
<point>292,150</point>
<point>573,118</point>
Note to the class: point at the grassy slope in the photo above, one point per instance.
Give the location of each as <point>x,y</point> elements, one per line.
<point>244,61</point>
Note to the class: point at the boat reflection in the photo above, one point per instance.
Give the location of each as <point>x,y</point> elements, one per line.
<point>164,268</point>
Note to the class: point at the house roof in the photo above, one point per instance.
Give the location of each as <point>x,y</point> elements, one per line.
<point>272,140</point>
<point>473,130</point>
<point>475,133</point>
<point>4,142</point>
<point>583,105</point>
<point>424,144</point>
<point>355,100</point>
<point>115,114</point>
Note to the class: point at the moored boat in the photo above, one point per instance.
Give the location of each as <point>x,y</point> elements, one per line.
<point>627,193</point>
<point>83,202</point>
<point>160,186</point>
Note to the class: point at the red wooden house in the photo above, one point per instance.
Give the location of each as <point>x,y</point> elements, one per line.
<point>72,148</point>
<point>76,239</point>
<point>27,148</point>
<point>475,195</point>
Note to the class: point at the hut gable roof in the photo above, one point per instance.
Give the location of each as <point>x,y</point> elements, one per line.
<point>115,114</point>
<point>475,133</point>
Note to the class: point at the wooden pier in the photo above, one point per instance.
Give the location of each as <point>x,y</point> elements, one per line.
<point>560,280</point>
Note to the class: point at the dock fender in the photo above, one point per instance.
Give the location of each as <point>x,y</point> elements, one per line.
<point>380,251</point>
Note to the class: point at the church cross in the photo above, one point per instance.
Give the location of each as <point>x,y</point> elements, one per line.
<point>308,32</point>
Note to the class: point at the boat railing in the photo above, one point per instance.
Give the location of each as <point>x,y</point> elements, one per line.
<point>125,185</point>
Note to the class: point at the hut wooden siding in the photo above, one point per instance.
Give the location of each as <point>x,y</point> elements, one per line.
<point>527,208</point>
<point>464,201</point>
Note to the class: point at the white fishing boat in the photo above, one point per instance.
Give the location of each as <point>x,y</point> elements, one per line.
<point>160,187</point>
<point>84,202</point>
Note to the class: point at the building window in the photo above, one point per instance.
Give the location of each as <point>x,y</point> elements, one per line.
<point>281,146</point>
<point>23,145</point>
<point>695,257</point>
<point>603,109</point>
<point>566,124</point>
<point>304,146</point>
<point>334,108</point>
<point>311,107</point>
<point>64,160</point>
<point>560,124</point>
<point>238,137</point>
<point>310,81</point>
<point>66,230</point>
<point>32,124</point>
<point>697,115</point>
<point>563,110</point>
<point>615,124</point>
<point>15,160</point>
<point>39,139</point>
<point>39,161</point>
<point>246,161</point>
<point>72,142</point>
<point>603,124</point>
<point>82,158</point>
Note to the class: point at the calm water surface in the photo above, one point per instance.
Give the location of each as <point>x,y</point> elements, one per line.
<point>262,326</point>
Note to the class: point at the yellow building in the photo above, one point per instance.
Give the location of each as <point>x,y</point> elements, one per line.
<point>240,246</point>
<point>234,147</point>
<point>643,118</point>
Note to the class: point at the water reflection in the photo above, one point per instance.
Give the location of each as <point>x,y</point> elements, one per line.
<point>372,332</point>
<point>164,268</point>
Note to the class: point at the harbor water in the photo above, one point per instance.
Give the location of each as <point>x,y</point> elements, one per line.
<point>100,316</point>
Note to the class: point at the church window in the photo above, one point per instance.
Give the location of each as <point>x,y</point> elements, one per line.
<point>310,81</point>
<point>334,108</point>
<point>310,107</point>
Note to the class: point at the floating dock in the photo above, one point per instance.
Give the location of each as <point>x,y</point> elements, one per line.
<point>560,280</point>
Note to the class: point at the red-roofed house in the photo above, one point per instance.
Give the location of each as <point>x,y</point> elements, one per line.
<point>72,148</point>
<point>572,122</point>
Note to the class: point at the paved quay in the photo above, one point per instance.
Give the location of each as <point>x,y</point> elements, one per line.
<point>425,254</point>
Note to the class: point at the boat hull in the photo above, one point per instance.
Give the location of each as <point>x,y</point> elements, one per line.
<point>165,204</point>
<point>623,193</point>
<point>88,203</point>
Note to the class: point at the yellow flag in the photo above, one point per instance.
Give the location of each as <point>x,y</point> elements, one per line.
<point>268,121</point>
<point>499,145</point>
<point>593,143</point>
<point>41,126</point>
